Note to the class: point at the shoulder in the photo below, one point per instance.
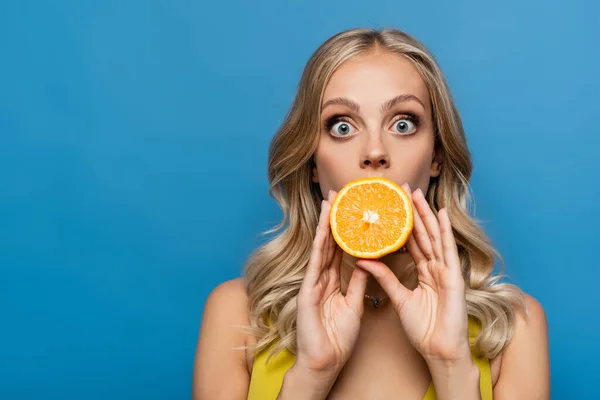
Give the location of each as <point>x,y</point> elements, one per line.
<point>220,364</point>
<point>229,294</point>
<point>525,364</point>
<point>531,324</point>
<point>532,320</point>
<point>226,305</point>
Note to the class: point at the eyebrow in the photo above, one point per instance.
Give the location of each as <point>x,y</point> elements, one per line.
<point>344,101</point>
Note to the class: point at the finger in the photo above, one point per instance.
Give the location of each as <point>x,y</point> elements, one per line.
<point>420,234</point>
<point>397,292</point>
<point>355,295</point>
<point>330,241</point>
<point>411,244</point>
<point>421,262</point>
<point>331,245</point>
<point>323,225</point>
<point>315,263</point>
<point>415,251</point>
<point>334,267</point>
<point>448,241</point>
<point>331,196</point>
<point>327,249</point>
<point>431,224</point>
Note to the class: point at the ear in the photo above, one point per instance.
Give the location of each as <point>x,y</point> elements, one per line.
<point>436,165</point>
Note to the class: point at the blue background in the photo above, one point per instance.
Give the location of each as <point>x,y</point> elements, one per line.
<point>133,145</point>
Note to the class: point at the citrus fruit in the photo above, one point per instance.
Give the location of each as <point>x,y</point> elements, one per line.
<point>371,217</point>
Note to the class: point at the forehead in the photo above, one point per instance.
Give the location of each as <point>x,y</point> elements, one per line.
<point>374,78</point>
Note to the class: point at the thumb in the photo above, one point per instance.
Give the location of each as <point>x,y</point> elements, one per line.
<point>355,295</point>
<point>396,291</point>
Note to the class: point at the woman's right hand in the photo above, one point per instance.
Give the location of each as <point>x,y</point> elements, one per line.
<point>328,322</point>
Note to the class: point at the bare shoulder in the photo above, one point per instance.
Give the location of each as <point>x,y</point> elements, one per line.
<point>230,293</point>
<point>220,366</point>
<point>226,306</point>
<point>531,324</point>
<point>525,363</point>
<point>533,320</point>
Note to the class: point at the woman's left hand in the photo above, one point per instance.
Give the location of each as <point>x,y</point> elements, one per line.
<point>434,315</point>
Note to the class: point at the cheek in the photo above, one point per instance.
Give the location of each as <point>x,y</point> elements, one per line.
<point>328,163</point>
<point>334,166</point>
<point>412,164</point>
<point>424,172</point>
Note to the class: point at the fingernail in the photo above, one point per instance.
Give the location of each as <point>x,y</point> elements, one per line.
<point>329,194</point>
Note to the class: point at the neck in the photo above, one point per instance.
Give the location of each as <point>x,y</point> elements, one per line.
<point>401,264</point>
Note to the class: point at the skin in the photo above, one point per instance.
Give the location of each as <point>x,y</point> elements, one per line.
<point>420,333</point>
<point>375,146</point>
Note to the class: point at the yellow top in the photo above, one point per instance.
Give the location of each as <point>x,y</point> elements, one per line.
<point>267,379</point>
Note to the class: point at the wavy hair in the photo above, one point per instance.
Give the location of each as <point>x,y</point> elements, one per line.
<point>274,272</point>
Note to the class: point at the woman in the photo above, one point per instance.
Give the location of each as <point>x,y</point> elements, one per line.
<point>430,321</point>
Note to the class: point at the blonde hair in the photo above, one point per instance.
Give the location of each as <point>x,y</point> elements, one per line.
<point>275,271</point>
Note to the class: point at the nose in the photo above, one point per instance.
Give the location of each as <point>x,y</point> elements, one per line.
<point>375,155</point>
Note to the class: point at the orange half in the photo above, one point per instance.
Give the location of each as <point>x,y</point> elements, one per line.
<point>371,217</point>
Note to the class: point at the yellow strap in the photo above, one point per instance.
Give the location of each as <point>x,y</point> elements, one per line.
<point>267,379</point>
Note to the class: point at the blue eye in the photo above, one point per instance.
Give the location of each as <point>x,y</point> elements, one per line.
<point>404,126</point>
<point>342,128</point>
<point>339,126</point>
